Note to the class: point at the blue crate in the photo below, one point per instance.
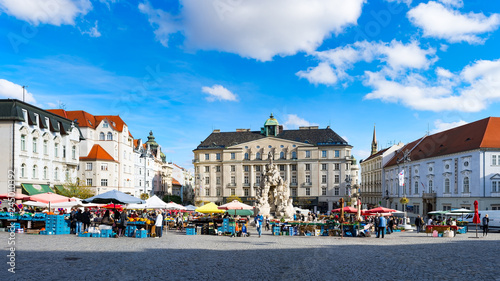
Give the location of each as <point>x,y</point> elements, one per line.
<point>141,234</point>
<point>191,231</point>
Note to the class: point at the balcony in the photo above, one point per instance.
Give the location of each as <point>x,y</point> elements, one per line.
<point>293,184</point>
<point>196,161</point>
<point>429,195</point>
<point>231,185</point>
<point>246,184</point>
<point>257,184</point>
<point>307,184</point>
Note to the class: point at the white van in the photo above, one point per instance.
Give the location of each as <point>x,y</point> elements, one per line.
<point>494,217</point>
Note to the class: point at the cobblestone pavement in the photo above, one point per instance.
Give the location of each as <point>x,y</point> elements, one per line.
<point>176,256</point>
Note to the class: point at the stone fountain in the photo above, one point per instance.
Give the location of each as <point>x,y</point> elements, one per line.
<point>273,194</point>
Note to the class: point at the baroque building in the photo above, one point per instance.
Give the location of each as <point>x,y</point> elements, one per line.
<point>41,149</point>
<point>447,170</point>
<point>314,162</point>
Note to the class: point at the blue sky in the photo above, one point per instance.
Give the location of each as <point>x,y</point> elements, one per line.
<point>183,68</point>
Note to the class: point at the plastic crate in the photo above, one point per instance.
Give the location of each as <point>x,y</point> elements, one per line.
<point>191,231</point>
<point>141,234</point>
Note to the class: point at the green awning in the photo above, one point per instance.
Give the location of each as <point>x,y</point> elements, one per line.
<point>33,189</point>
<point>59,187</point>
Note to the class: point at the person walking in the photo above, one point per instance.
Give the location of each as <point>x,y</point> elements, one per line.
<point>123,223</point>
<point>258,224</point>
<point>381,226</point>
<point>79,221</point>
<point>159,224</point>
<point>267,223</point>
<point>376,222</point>
<point>486,222</point>
<point>86,216</point>
<point>418,223</point>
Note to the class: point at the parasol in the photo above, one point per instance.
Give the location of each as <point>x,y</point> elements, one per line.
<point>476,219</point>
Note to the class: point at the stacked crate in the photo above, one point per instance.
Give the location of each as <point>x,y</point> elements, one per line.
<point>141,234</point>
<point>130,230</point>
<point>56,225</point>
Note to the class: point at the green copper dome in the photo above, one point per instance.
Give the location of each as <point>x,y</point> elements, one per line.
<point>271,121</point>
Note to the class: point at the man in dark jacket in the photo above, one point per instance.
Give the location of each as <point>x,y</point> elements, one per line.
<point>418,223</point>
<point>486,222</point>
<point>376,222</point>
<point>86,216</point>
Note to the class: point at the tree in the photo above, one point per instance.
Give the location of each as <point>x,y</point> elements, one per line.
<point>77,188</point>
<point>144,196</point>
<point>174,198</point>
<point>233,197</point>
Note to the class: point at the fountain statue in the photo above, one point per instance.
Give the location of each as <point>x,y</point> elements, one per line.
<point>273,194</point>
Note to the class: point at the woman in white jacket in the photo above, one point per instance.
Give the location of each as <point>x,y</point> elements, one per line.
<point>159,224</point>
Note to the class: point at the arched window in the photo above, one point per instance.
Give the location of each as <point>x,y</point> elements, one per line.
<point>282,155</point>
<point>257,156</point>
<point>73,152</point>
<point>23,170</point>
<point>56,174</point>
<point>466,185</point>
<point>109,136</point>
<point>45,172</point>
<point>416,187</point>
<point>446,185</point>
<point>294,155</point>
<point>101,136</point>
<point>246,156</point>
<point>34,171</point>
<point>430,186</point>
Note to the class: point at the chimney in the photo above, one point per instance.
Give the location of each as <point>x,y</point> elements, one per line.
<point>242,130</point>
<point>216,131</point>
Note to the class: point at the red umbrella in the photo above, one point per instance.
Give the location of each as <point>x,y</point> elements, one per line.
<point>16,196</point>
<point>381,210</point>
<point>112,206</point>
<point>476,219</point>
<point>347,209</point>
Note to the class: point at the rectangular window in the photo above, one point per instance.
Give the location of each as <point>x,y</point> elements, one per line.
<point>207,180</point>
<point>323,178</point>
<point>207,169</point>
<point>308,154</point>
<point>337,153</point>
<point>257,168</point>
<point>257,179</point>
<point>23,143</point>
<point>308,167</point>
<point>233,180</point>
<point>246,168</point>
<point>219,193</point>
<point>323,191</point>
<point>493,160</point>
<point>104,167</point>
<point>233,156</point>
<point>64,151</point>
<point>294,167</point>
<point>88,167</point>
<point>493,186</point>
<point>308,179</point>
<point>337,178</point>
<point>207,156</point>
<point>246,180</point>
<point>337,191</point>
<point>217,156</point>
<point>89,182</point>
<point>294,192</point>
<point>233,168</point>
<point>246,191</point>
<point>416,209</point>
<point>35,140</point>
<point>337,167</point>
<point>104,182</point>
<point>217,180</point>
<point>324,167</point>
<point>282,167</point>
<point>294,179</point>
<point>308,191</point>
<point>207,191</point>
<point>217,169</point>
<point>323,153</point>
<point>45,147</point>
<point>233,192</point>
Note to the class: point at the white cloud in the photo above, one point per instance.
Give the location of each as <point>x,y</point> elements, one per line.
<point>163,23</point>
<point>14,91</point>
<point>55,12</point>
<point>218,92</point>
<point>93,32</point>
<point>453,3</point>
<point>108,2</point>
<point>360,154</point>
<point>321,74</point>
<point>258,29</point>
<point>293,121</point>
<point>407,2</point>
<point>398,57</point>
<point>471,90</point>
<point>442,126</point>
<point>442,22</point>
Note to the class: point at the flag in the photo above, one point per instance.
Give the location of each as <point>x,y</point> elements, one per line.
<point>402,178</point>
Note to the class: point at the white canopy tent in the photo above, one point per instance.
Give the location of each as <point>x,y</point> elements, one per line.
<point>151,203</point>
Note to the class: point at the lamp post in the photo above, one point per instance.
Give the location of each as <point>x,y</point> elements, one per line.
<point>405,159</point>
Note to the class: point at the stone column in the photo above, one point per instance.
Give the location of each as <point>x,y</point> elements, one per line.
<point>251,180</point>
<point>287,174</point>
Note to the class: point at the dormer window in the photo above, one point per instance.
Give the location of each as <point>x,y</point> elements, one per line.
<point>105,124</point>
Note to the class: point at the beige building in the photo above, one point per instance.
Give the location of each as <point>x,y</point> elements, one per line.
<point>315,162</point>
<point>372,175</point>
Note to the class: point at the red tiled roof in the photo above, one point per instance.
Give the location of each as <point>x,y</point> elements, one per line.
<point>376,154</point>
<point>178,166</point>
<point>480,134</point>
<point>97,153</point>
<point>176,182</point>
<point>136,143</point>
<point>86,119</point>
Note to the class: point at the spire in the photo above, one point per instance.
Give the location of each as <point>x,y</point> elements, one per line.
<point>374,142</point>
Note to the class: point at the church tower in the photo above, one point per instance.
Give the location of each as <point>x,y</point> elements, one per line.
<point>374,142</point>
